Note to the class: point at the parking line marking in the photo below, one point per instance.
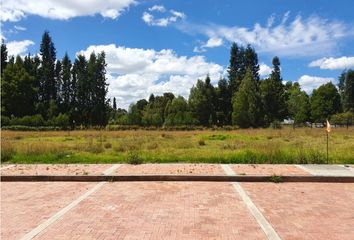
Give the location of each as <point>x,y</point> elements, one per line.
<point>261,220</point>
<point>63,211</point>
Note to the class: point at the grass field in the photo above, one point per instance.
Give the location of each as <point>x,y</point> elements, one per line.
<point>286,145</point>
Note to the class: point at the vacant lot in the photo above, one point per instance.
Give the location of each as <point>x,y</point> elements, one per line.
<point>286,145</point>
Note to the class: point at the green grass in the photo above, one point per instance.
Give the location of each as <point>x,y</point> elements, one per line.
<point>239,146</point>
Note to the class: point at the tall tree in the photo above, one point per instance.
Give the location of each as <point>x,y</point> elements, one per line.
<point>3,56</point>
<point>58,77</point>
<point>273,95</point>
<point>82,90</point>
<point>325,101</point>
<point>178,113</point>
<point>346,88</point>
<point>66,91</point>
<point>47,52</point>
<point>201,101</point>
<point>99,90</point>
<point>251,62</point>
<point>223,104</point>
<point>298,104</point>
<point>247,102</point>
<point>114,104</point>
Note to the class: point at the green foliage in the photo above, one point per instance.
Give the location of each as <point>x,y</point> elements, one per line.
<point>276,179</point>
<point>346,88</point>
<point>273,95</point>
<point>298,104</point>
<point>62,121</point>
<point>134,158</point>
<point>346,118</point>
<point>325,101</point>
<point>246,105</point>
<point>177,113</point>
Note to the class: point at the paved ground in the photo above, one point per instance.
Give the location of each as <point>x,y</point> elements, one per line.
<point>178,210</point>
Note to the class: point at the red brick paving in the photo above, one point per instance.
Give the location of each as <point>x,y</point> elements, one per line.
<point>307,210</point>
<point>158,210</point>
<point>25,205</point>
<point>267,169</point>
<point>182,169</point>
<point>56,169</point>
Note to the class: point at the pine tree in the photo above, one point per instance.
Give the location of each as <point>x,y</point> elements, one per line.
<point>58,77</point>
<point>66,91</point>
<point>3,56</point>
<point>298,104</point>
<point>246,104</point>
<point>223,105</point>
<point>251,62</point>
<point>114,104</point>
<point>273,95</point>
<point>47,70</point>
<point>82,89</point>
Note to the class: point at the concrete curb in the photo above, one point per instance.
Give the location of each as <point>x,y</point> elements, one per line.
<point>177,178</point>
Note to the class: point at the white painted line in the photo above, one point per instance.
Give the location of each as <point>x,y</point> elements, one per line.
<point>228,170</point>
<point>66,209</point>
<point>261,220</point>
<point>111,169</point>
<point>9,166</point>
<point>304,169</point>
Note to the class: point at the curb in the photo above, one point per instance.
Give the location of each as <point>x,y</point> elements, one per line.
<point>176,178</point>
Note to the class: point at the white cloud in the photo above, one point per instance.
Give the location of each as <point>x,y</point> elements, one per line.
<point>312,36</point>
<point>15,10</point>
<point>264,70</point>
<point>308,83</point>
<point>333,63</point>
<point>158,8</point>
<point>20,28</point>
<point>18,47</point>
<point>172,16</point>
<point>211,43</point>
<point>134,73</point>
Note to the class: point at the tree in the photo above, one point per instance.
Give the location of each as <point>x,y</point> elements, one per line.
<point>17,90</point>
<point>325,101</point>
<point>201,100</point>
<point>236,67</point>
<point>273,95</point>
<point>58,77</point>
<point>82,89</point>
<point>251,62</point>
<point>346,88</point>
<point>47,52</point>
<point>66,91</point>
<point>154,111</point>
<point>177,113</point>
<point>3,56</point>
<point>298,104</point>
<point>99,89</point>
<point>223,103</point>
<point>114,104</point>
<point>246,104</point>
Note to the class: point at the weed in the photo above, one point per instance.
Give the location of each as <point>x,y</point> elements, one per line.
<point>7,151</point>
<point>107,145</point>
<point>276,179</point>
<point>134,158</point>
<point>201,142</point>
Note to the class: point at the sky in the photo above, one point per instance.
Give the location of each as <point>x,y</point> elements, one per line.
<point>161,46</point>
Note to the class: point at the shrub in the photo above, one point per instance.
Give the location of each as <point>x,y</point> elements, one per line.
<point>5,121</point>
<point>134,158</point>
<point>107,145</point>
<point>276,179</point>
<point>62,120</point>
<point>201,142</point>
<point>276,125</point>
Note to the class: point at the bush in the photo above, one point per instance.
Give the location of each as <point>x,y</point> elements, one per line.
<point>62,120</point>
<point>134,158</point>
<point>5,121</point>
<point>107,145</point>
<point>201,142</point>
<point>31,121</point>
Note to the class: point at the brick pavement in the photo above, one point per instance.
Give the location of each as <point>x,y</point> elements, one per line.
<point>160,210</point>
<point>24,205</point>
<point>306,211</point>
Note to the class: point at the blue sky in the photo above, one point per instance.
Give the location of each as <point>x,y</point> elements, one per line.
<point>156,46</point>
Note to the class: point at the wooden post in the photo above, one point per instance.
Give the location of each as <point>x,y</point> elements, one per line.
<point>327,146</point>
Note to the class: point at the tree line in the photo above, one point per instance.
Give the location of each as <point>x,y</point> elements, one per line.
<point>42,90</point>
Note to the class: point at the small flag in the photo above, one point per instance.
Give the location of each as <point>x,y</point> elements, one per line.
<point>328,129</point>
